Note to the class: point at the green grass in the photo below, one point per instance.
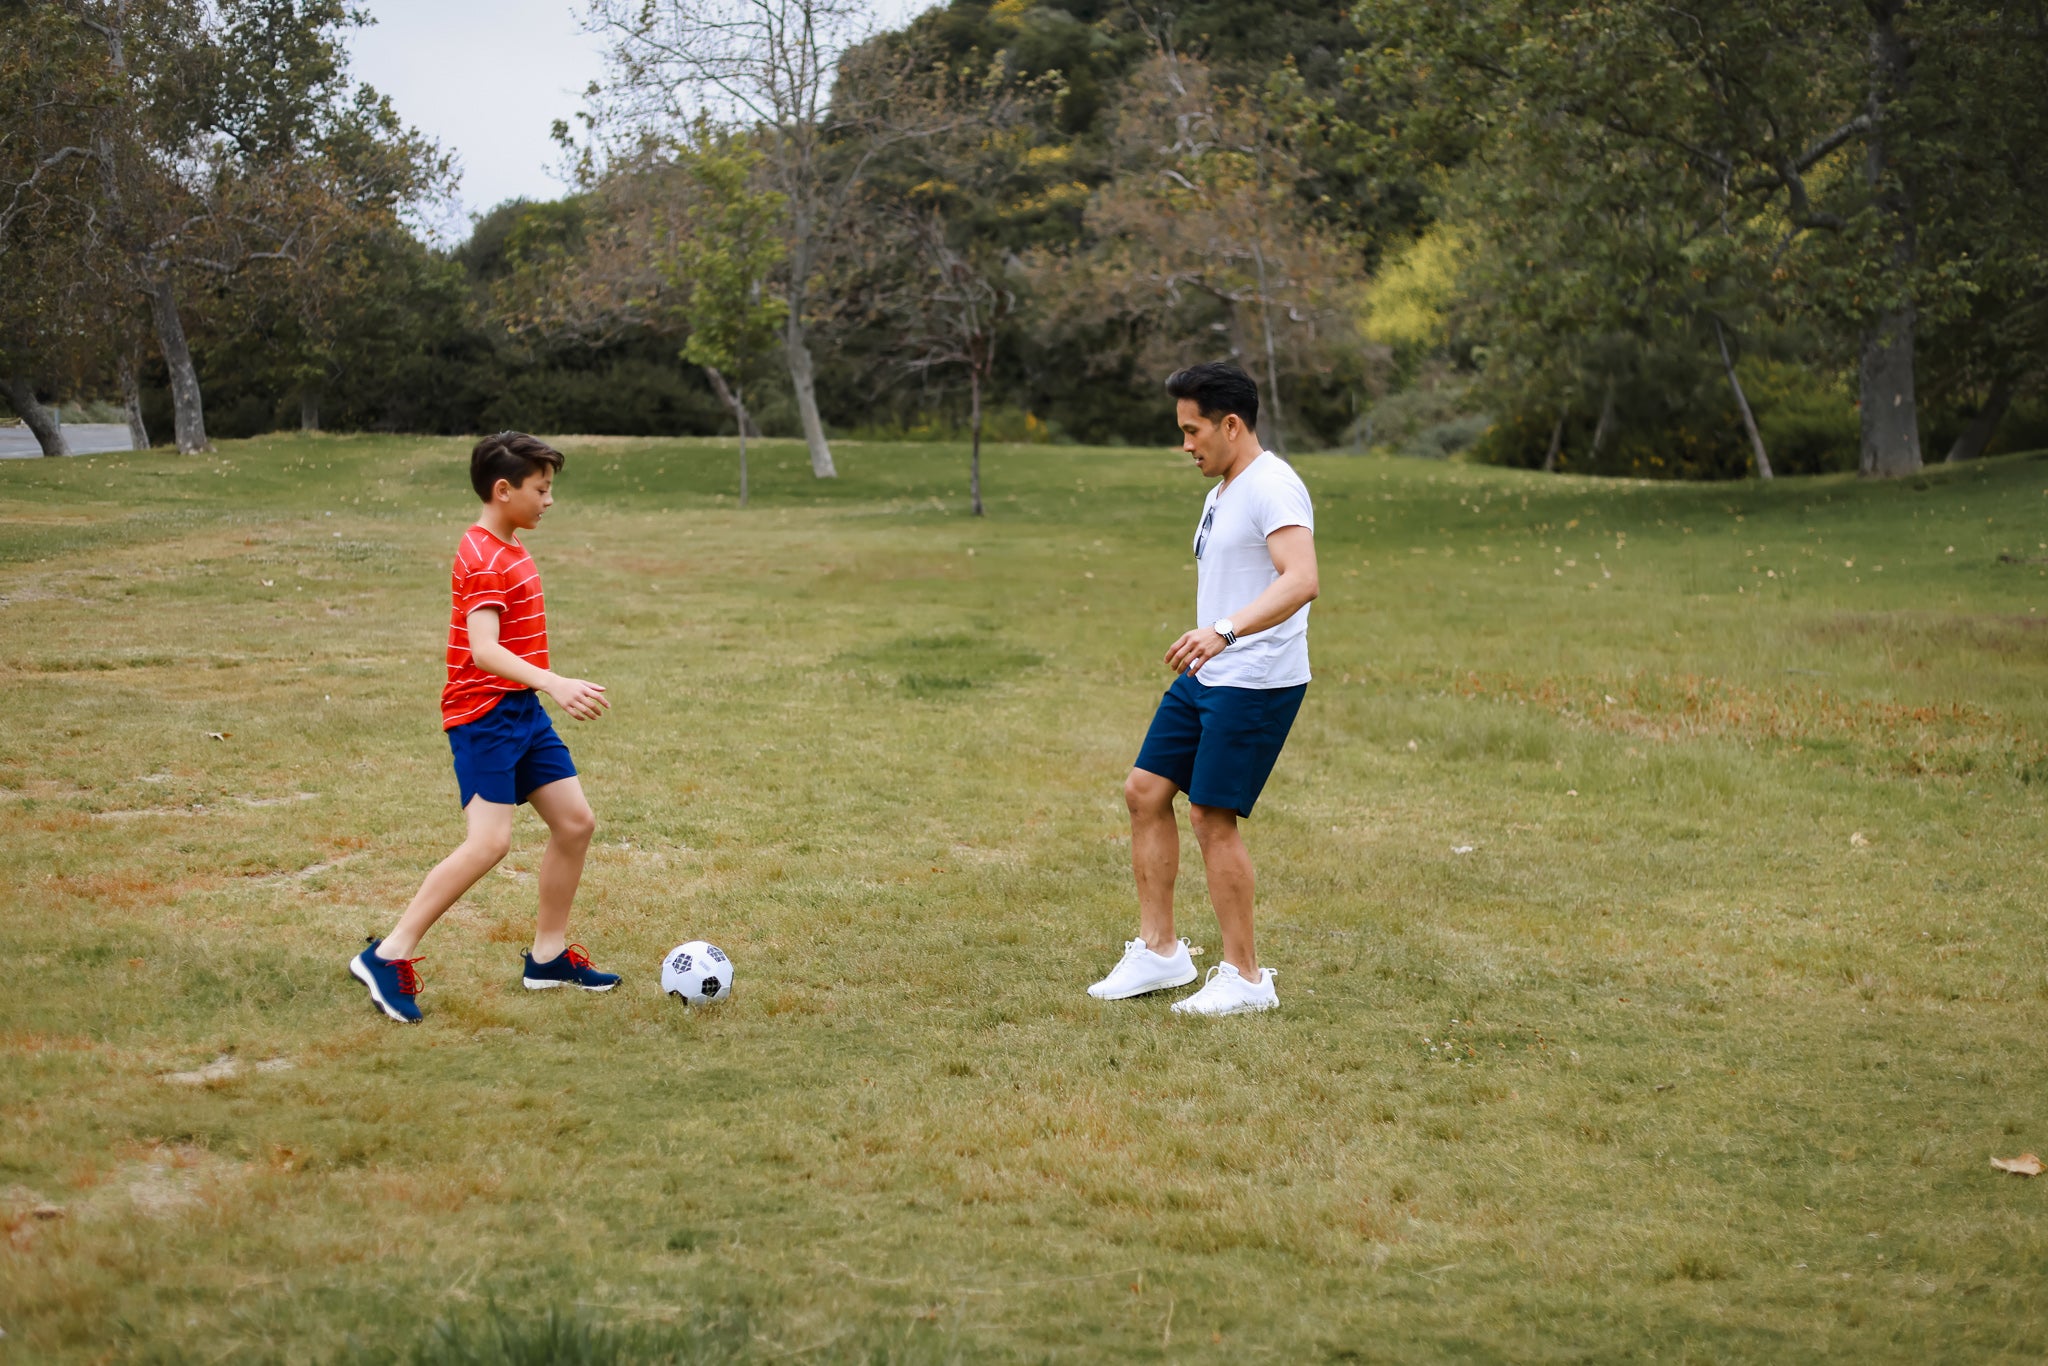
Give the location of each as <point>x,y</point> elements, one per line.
<point>1699,1054</point>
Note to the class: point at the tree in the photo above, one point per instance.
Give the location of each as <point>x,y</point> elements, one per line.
<point>938,225</point>
<point>768,64</point>
<point>1202,238</point>
<point>1985,210</point>
<point>721,268</point>
<point>963,300</point>
<point>1792,134</point>
<point>51,107</point>
<point>218,136</point>
<point>147,153</point>
<point>366,171</point>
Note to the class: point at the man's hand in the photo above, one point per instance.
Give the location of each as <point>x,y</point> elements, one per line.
<point>1193,650</point>
<point>584,701</point>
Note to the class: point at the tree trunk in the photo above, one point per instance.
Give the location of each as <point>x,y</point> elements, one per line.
<point>1972,440</point>
<point>49,433</point>
<point>186,407</point>
<point>1556,444</point>
<point>309,409</point>
<point>739,403</point>
<point>1891,415</point>
<point>1891,410</point>
<point>1604,425</point>
<point>1276,430</point>
<point>131,399</point>
<point>798,357</point>
<point>732,405</point>
<point>1756,440</point>
<point>974,460</point>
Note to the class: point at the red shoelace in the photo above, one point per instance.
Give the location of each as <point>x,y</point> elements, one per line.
<point>578,956</point>
<point>408,976</point>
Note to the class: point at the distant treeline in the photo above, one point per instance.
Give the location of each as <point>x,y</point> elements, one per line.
<point>1753,237</point>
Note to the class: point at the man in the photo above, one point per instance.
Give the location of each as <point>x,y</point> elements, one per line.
<point>1240,680</point>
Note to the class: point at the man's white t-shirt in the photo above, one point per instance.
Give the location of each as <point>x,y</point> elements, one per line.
<point>1233,567</point>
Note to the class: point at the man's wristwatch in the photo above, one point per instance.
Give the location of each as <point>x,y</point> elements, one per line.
<point>1227,629</point>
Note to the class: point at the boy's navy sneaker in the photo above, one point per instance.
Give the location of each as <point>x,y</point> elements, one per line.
<point>392,982</point>
<point>570,968</point>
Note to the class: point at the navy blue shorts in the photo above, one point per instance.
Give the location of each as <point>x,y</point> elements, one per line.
<point>509,751</point>
<point>1218,745</point>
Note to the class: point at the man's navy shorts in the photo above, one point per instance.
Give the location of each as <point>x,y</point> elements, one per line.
<point>509,751</point>
<point>1218,745</point>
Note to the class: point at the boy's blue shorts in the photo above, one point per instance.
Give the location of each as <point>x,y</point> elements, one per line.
<point>509,751</point>
<point>1219,745</point>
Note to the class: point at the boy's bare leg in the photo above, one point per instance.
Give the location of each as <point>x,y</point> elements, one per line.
<point>490,835</point>
<point>1155,855</point>
<point>570,825</point>
<point>1229,866</point>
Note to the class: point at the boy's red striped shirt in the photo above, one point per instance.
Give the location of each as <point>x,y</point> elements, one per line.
<point>490,572</point>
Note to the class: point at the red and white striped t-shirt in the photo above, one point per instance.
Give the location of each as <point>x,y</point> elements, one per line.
<point>490,572</point>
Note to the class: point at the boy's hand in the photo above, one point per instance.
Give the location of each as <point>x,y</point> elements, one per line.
<point>584,701</point>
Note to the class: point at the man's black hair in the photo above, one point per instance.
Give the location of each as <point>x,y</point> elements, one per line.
<point>514,457</point>
<point>1218,388</point>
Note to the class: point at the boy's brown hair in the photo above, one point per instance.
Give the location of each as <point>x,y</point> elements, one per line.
<point>514,457</point>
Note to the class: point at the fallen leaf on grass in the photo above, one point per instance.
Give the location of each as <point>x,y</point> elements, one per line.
<point>2026,1164</point>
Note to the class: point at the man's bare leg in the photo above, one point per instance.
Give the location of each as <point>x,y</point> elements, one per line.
<point>1229,865</point>
<point>490,836</point>
<point>1155,856</point>
<point>570,825</point>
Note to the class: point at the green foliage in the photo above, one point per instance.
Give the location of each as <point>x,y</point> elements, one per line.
<point>725,256</point>
<point>1676,420</point>
<point>1553,202</point>
<point>1007,424</point>
<point>1808,419</point>
<point>1409,302</point>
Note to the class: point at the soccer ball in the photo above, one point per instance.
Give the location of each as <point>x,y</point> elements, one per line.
<point>698,972</point>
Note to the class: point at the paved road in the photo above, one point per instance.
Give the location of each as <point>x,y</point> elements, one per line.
<point>84,438</point>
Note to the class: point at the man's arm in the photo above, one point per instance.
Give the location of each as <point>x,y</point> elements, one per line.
<point>584,701</point>
<point>1293,549</point>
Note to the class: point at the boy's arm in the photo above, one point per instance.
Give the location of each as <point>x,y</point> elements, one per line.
<point>584,701</point>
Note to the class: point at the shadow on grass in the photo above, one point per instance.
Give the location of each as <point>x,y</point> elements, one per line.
<point>496,1337</point>
<point>938,666</point>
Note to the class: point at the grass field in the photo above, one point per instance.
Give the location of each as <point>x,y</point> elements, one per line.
<point>1698,1053</point>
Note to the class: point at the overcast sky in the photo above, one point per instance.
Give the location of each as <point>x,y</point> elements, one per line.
<point>487,78</point>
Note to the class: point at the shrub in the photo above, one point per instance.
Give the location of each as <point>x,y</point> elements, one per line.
<point>1675,419</point>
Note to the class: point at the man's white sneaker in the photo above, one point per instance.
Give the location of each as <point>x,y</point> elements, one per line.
<point>1227,992</point>
<point>1143,970</point>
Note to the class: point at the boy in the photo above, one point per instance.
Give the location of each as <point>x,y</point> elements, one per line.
<point>506,751</point>
<point>1240,678</point>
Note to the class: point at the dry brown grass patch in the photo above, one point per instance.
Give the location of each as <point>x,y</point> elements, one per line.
<point>1928,738</point>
